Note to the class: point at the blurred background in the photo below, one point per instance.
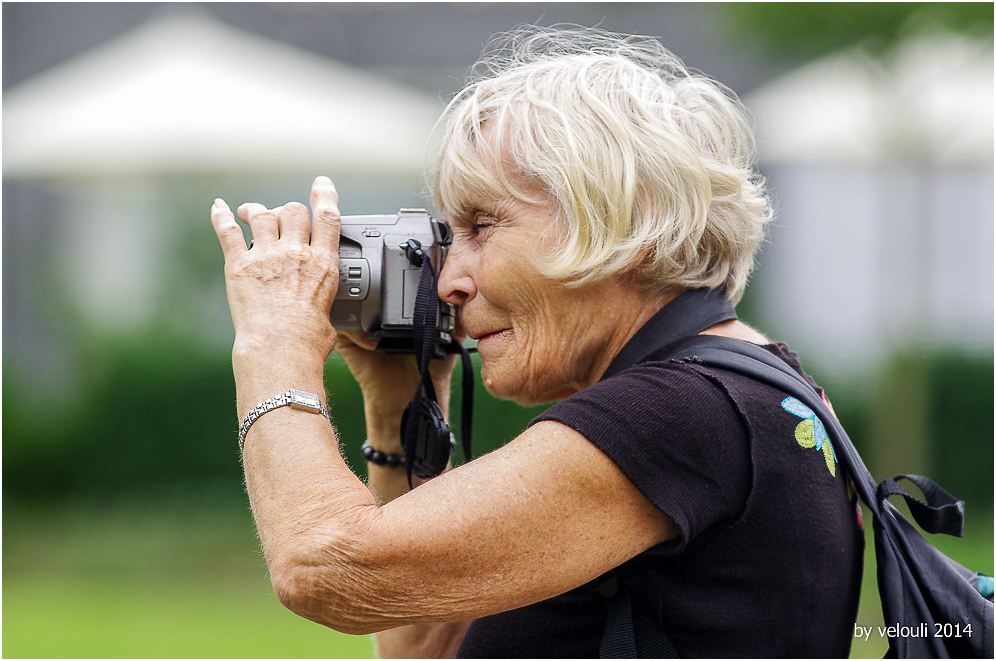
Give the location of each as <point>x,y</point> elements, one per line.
<point>126,531</point>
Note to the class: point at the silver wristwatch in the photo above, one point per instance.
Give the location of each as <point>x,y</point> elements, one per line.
<point>296,399</point>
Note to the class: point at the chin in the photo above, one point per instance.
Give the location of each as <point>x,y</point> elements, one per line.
<point>521,391</point>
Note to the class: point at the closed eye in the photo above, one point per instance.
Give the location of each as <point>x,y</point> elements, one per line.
<point>482,222</point>
<point>473,225</point>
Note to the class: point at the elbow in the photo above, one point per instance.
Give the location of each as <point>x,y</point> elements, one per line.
<point>328,588</point>
<point>297,587</point>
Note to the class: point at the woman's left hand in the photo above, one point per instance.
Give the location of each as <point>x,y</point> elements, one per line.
<point>280,291</point>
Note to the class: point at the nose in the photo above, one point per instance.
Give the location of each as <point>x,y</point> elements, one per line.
<point>456,282</point>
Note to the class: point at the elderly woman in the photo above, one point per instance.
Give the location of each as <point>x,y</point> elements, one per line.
<point>594,188</point>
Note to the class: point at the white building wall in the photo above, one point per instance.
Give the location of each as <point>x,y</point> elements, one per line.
<point>863,260</point>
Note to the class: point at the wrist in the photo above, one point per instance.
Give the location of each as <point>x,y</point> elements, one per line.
<point>256,354</point>
<point>295,399</point>
<point>283,347</point>
<point>261,374</point>
<point>384,430</point>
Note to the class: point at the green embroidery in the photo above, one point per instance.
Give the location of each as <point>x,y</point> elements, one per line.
<point>810,433</point>
<point>831,460</point>
<point>804,434</point>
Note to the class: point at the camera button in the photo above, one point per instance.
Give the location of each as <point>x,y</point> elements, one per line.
<point>354,291</point>
<point>371,233</point>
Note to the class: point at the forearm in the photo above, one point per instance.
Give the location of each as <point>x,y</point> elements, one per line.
<point>299,487</point>
<point>330,549</point>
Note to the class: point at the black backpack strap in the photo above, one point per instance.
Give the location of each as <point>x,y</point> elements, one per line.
<point>631,631</point>
<point>940,513</point>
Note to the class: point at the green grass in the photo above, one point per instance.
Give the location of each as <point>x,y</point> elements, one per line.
<point>55,617</point>
<point>182,580</point>
<point>163,582</point>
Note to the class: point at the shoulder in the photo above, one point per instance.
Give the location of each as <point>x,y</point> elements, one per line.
<point>650,391</point>
<point>675,433</point>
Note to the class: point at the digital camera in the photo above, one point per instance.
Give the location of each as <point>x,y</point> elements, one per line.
<point>378,280</point>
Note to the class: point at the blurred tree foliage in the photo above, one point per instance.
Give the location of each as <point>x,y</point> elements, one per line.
<point>154,416</point>
<point>960,424</point>
<point>793,32</point>
<point>158,416</point>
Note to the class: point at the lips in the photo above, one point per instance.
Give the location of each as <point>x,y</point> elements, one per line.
<point>479,327</point>
<point>485,336</point>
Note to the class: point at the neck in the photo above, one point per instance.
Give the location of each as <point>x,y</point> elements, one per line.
<point>626,310</point>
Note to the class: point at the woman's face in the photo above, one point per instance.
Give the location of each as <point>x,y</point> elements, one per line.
<point>539,340</point>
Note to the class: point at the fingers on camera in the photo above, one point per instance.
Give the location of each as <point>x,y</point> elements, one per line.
<point>292,220</point>
<point>295,223</point>
<point>325,204</point>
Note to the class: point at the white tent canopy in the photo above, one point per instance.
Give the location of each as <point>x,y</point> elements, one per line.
<point>931,101</point>
<point>189,94</point>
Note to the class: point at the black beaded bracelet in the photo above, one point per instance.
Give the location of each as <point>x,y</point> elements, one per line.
<point>381,458</point>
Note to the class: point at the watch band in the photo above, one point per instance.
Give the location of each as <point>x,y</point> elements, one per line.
<point>296,399</point>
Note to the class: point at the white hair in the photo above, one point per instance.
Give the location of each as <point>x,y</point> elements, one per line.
<point>651,166</point>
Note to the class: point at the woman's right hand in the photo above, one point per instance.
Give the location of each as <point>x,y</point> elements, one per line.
<point>388,383</point>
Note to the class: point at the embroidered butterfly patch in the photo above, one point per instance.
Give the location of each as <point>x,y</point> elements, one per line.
<point>810,433</point>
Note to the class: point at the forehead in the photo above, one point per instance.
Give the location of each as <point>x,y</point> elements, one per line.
<point>479,169</point>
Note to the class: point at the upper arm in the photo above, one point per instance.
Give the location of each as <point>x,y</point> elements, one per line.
<point>544,514</point>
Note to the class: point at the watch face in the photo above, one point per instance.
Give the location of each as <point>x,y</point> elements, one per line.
<point>306,401</point>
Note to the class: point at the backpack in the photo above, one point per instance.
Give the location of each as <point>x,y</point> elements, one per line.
<point>933,607</point>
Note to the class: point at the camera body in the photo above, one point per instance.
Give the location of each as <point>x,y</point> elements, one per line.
<point>378,282</point>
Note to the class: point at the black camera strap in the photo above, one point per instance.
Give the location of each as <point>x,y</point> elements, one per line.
<point>425,435</point>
